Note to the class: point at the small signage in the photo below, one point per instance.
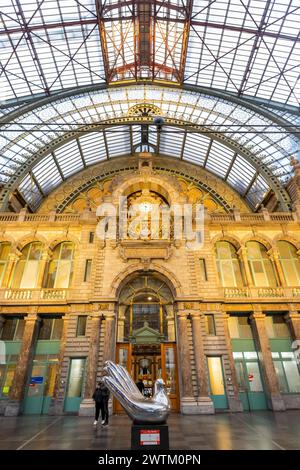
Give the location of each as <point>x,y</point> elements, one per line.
<point>250,377</point>
<point>150,437</point>
<point>36,380</point>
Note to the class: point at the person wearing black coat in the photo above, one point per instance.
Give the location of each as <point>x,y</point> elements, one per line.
<point>101,397</point>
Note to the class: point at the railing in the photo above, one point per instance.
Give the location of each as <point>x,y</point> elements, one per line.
<point>33,294</point>
<point>252,218</point>
<point>279,217</point>
<point>260,292</point>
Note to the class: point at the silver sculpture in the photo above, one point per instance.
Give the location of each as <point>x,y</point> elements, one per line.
<point>141,410</point>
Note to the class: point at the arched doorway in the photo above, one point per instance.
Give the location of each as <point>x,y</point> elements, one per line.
<point>146,334</point>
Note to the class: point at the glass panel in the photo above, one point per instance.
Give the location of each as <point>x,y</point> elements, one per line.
<point>240,375</point>
<point>88,267</point>
<point>46,328</point>
<point>228,265</point>
<point>203,275</point>
<point>81,325</point>
<point>19,330</point>
<point>210,325</point>
<point>244,327</point>
<point>57,328</point>
<point>146,313</point>
<point>290,262</point>
<point>30,274</point>
<point>63,274</point>
<point>255,383</point>
<point>50,380</point>
<point>216,376</point>
<point>292,376</point>
<point>283,387</point>
<point>9,328</point>
<point>260,265</point>
<point>233,327</point>
<point>123,357</point>
<point>250,355</point>
<point>170,370</point>
<point>76,378</point>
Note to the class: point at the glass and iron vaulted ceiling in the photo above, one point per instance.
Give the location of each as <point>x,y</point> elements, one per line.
<point>223,74</point>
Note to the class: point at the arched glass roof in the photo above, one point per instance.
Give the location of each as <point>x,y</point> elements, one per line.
<point>223,73</point>
<point>67,134</point>
<point>244,47</point>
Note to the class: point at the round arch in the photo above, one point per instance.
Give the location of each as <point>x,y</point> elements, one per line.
<point>137,269</point>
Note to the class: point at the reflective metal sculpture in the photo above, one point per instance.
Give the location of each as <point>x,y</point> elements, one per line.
<point>140,409</point>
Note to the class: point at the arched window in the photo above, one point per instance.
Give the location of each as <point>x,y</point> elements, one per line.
<point>261,266</point>
<point>28,267</point>
<point>228,265</point>
<point>60,268</point>
<point>4,252</point>
<point>290,263</point>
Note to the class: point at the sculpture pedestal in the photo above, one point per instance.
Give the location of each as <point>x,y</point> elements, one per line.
<point>149,436</point>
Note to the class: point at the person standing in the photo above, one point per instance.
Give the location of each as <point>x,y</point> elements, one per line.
<point>101,397</point>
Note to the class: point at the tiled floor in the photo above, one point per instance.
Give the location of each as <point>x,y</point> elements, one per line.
<point>257,430</point>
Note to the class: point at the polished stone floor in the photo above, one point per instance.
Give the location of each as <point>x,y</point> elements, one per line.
<point>257,430</point>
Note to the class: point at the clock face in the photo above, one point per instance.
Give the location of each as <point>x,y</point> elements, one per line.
<point>145,207</point>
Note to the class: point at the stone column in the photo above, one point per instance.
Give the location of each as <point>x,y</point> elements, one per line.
<point>21,373</point>
<point>87,405</point>
<point>188,404</point>
<point>57,401</point>
<point>275,400</point>
<point>121,323</point>
<point>13,258</point>
<point>232,386</point>
<point>109,337</point>
<point>293,320</point>
<point>274,257</point>
<point>205,404</point>
<point>242,253</point>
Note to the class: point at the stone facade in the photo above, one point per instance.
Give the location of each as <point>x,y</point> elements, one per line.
<point>195,295</point>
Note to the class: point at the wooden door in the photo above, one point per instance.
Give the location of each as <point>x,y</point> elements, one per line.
<point>123,357</point>
<point>170,373</point>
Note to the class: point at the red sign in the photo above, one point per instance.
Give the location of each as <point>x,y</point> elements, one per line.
<point>150,437</point>
<point>250,377</point>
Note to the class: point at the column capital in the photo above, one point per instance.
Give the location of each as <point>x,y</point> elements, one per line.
<point>109,315</point>
<point>257,316</point>
<point>292,315</point>
<point>32,317</point>
<point>182,315</point>
<point>197,315</point>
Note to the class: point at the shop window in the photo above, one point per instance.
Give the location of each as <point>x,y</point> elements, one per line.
<point>13,329</point>
<point>7,372</point>
<point>60,269</point>
<point>51,329</point>
<point>261,266</point>
<point>27,268</point>
<point>4,253</point>
<point>87,271</point>
<point>210,326</point>
<point>228,264</point>
<point>81,325</point>
<point>290,263</point>
<point>277,327</point>
<point>287,372</point>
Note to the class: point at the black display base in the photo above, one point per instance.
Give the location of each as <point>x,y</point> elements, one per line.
<point>149,436</point>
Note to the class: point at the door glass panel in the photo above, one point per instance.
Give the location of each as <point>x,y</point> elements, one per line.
<point>255,383</point>
<point>76,378</point>
<point>170,370</point>
<point>36,389</point>
<point>216,376</point>
<point>240,374</point>
<point>50,381</point>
